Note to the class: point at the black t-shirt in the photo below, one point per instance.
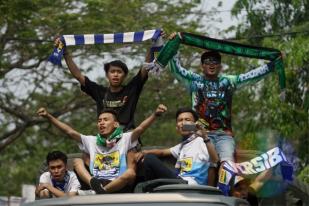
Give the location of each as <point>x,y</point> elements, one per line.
<point>123,102</point>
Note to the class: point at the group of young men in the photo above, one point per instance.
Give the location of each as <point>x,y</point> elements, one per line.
<point>110,158</point>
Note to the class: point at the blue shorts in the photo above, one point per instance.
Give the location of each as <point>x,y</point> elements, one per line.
<point>224,145</point>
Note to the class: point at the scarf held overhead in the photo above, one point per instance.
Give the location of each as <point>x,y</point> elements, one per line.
<point>87,39</point>
<point>171,47</point>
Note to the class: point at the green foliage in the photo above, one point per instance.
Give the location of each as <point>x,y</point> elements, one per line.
<point>304,175</point>
<point>289,118</point>
<point>27,82</point>
<point>169,93</point>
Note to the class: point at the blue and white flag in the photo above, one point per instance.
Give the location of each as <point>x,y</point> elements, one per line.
<point>256,165</point>
<point>87,39</point>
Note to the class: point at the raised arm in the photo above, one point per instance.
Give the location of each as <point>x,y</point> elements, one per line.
<point>157,43</point>
<point>60,125</point>
<point>213,155</point>
<point>184,75</point>
<point>144,71</point>
<point>75,71</point>
<point>256,74</point>
<point>138,131</point>
<point>211,150</point>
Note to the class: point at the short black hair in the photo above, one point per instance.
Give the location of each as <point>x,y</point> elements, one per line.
<point>116,63</point>
<point>208,54</point>
<point>187,109</point>
<point>55,155</point>
<point>111,111</point>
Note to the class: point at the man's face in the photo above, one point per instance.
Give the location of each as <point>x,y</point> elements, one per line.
<point>115,76</point>
<point>211,67</point>
<point>241,190</point>
<point>106,124</point>
<point>57,169</point>
<point>184,118</point>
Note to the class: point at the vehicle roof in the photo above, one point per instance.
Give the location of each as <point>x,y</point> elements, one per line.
<point>137,198</point>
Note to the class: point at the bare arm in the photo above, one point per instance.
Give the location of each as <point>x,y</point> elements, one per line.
<point>158,152</point>
<point>144,71</point>
<point>263,177</point>
<point>75,71</point>
<point>212,151</point>
<point>210,147</point>
<point>256,74</point>
<point>60,125</point>
<point>56,192</point>
<point>138,131</point>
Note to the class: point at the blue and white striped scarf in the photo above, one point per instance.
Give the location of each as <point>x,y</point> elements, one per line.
<point>87,39</point>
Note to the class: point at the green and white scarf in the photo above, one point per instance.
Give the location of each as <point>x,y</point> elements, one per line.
<point>111,140</point>
<point>171,47</point>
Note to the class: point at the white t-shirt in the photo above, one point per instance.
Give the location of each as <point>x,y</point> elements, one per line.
<point>193,160</point>
<point>70,184</point>
<point>107,163</point>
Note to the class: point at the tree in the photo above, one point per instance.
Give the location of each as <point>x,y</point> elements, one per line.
<point>28,81</point>
<point>290,119</point>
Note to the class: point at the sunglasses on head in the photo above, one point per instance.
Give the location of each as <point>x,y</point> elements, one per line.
<point>211,61</point>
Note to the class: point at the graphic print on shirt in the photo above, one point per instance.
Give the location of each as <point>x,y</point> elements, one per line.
<point>107,164</point>
<point>211,104</point>
<point>210,98</point>
<point>116,103</point>
<point>185,164</point>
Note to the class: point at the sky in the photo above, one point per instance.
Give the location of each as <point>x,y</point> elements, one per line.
<point>206,5</point>
<point>224,14</point>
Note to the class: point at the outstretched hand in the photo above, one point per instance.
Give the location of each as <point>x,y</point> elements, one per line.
<point>160,110</point>
<point>42,112</point>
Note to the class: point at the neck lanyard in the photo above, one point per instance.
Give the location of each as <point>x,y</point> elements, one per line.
<point>183,143</point>
<point>61,185</point>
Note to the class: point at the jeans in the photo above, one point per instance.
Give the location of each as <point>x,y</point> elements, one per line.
<point>224,145</point>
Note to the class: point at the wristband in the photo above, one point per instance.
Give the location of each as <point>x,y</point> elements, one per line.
<point>206,140</point>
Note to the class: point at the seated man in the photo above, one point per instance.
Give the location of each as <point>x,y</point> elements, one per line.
<point>192,154</point>
<point>58,181</point>
<point>107,150</point>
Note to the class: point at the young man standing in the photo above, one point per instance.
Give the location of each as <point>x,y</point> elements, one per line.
<point>58,181</point>
<point>107,150</point>
<point>193,154</point>
<point>121,98</point>
<point>211,95</point>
